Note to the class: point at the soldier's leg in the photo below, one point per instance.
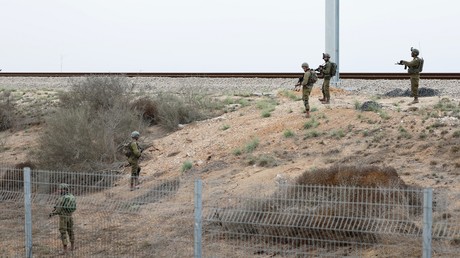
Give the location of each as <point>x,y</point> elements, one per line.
<point>63,231</point>
<point>306,96</point>
<point>327,95</point>
<point>134,168</point>
<point>71,233</point>
<point>414,81</point>
<point>322,91</point>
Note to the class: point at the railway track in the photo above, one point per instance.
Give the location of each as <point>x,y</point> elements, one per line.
<point>364,76</point>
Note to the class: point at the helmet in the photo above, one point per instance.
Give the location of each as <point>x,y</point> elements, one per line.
<point>63,187</point>
<point>305,65</point>
<point>135,134</point>
<point>414,51</point>
<point>326,55</point>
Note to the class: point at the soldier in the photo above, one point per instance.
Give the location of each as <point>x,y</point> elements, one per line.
<point>307,85</point>
<point>133,159</point>
<point>414,72</point>
<point>326,70</point>
<point>64,207</point>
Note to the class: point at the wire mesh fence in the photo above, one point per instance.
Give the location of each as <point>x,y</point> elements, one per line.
<point>111,221</point>
<point>176,218</point>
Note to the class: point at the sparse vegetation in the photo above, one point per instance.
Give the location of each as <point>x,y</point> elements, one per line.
<point>7,111</point>
<point>225,127</point>
<point>187,165</point>
<point>312,123</point>
<point>288,133</point>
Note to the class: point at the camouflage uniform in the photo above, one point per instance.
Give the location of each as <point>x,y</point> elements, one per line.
<point>306,89</point>
<point>65,217</point>
<point>327,80</point>
<point>133,160</point>
<point>414,75</point>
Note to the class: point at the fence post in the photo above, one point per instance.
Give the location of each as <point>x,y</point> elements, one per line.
<point>198,219</point>
<point>427,221</point>
<point>28,212</point>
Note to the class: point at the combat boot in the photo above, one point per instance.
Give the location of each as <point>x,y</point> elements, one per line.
<point>72,246</point>
<point>415,100</point>
<point>322,99</point>
<point>307,115</point>
<point>326,101</point>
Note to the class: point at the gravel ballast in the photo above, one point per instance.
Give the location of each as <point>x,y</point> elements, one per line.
<point>444,88</point>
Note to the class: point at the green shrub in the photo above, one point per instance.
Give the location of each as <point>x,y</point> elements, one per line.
<point>288,133</point>
<point>312,123</point>
<point>186,166</point>
<point>252,145</point>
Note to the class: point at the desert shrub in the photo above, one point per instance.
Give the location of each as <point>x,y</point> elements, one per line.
<point>97,92</point>
<point>172,109</point>
<point>312,123</point>
<point>80,139</point>
<point>86,133</point>
<point>262,160</point>
<point>319,207</point>
<point>252,145</point>
<point>7,111</point>
<point>147,108</point>
<point>288,133</point>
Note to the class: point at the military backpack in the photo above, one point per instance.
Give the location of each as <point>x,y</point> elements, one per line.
<point>333,69</point>
<point>70,203</point>
<point>313,77</point>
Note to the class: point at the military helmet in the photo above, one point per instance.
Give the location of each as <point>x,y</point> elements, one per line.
<point>326,55</point>
<point>414,51</point>
<point>63,187</point>
<point>135,134</point>
<point>305,64</point>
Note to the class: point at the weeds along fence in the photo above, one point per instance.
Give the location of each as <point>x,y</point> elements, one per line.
<point>187,217</point>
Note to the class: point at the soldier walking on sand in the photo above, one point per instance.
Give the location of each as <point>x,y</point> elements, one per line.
<point>415,66</point>
<point>64,207</point>
<point>307,85</point>
<point>133,159</point>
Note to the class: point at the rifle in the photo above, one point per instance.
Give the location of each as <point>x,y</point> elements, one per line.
<point>401,63</point>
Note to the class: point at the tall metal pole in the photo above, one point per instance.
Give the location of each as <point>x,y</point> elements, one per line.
<point>28,212</point>
<point>332,35</point>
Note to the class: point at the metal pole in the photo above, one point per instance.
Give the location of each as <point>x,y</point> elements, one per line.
<point>28,213</point>
<point>427,221</point>
<point>198,218</point>
<point>332,34</point>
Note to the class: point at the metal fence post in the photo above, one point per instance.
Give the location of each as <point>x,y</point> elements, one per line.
<point>198,218</point>
<point>28,212</point>
<point>427,221</point>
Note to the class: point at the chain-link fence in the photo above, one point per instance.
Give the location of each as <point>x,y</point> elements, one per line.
<point>182,217</point>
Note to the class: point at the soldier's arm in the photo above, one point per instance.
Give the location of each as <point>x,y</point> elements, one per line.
<point>135,149</point>
<point>327,69</point>
<point>306,76</point>
<point>412,63</point>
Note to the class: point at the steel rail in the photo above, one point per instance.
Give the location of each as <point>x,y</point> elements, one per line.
<point>363,76</point>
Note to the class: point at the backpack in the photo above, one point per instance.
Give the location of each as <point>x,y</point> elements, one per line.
<point>127,151</point>
<point>313,77</point>
<point>420,66</point>
<point>333,69</point>
<point>70,203</point>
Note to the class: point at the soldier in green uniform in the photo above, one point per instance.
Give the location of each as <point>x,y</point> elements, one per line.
<point>65,206</point>
<point>307,86</point>
<point>133,159</point>
<point>414,72</point>
<point>326,70</point>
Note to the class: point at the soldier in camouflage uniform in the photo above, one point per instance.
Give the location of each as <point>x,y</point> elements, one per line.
<point>65,217</point>
<point>326,70</point>
<point>133,159</point>
<point>414,72</point>
<point>307,86</point>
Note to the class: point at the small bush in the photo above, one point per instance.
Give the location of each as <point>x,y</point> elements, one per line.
<point>312,134</point>
<point>266,113</point>
<point>251,146</point>
<point>7,111</point>
<point>262,161</point>
<point>173,110</point>
<point>456,134</point>
<point>225,127</point>
<point>312,123</point>
<point>147,108</point>
<point>288,133</point>
<point>186,166</point>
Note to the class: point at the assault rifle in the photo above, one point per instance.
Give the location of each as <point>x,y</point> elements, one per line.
<point>401,63</point>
